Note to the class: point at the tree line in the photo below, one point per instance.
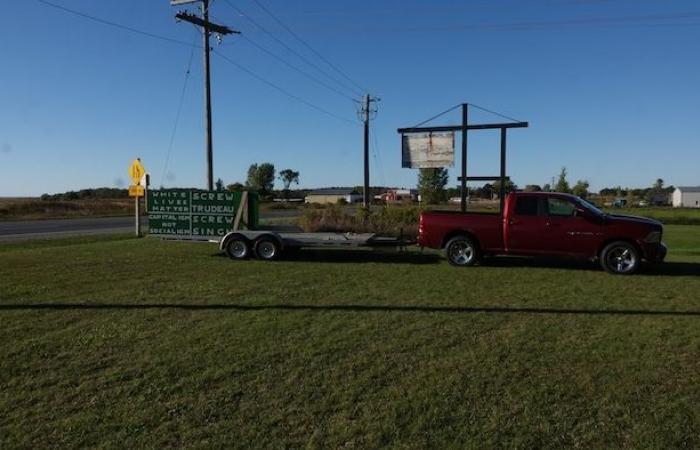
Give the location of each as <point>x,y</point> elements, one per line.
<point>432,185</point>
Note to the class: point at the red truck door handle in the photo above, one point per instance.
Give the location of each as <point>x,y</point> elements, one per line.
<point>513,222</point>
<point>550,224</point>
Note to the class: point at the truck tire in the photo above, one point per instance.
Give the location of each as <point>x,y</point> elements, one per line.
<point>462,251</point>
<point>267,249</point>
<point>620,258</point>
<point>238,248</point>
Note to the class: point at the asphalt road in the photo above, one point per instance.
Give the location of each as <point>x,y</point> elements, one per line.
<point>43,229</point>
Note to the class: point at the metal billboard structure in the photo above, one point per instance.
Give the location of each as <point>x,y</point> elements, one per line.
<point>464,127</point>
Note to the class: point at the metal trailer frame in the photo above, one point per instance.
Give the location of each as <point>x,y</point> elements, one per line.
<point>295,240</point>
<point>286,240</point>
<point>289,240</point>
<point>464,127</point>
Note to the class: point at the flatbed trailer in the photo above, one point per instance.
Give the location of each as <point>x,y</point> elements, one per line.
<point>272,244</point>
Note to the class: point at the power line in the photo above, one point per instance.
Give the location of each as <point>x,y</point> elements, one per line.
<point>179,111</point>
<point>331,65</point>
<point>291,50</point>
<point>280,89</point>
<point>288,64</point>
<point>430,8</point>
<point>378,158</point>
<point>665,18</point>
<point>113,24</point>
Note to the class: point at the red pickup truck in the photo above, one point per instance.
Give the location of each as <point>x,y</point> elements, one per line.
<point>545,224</point>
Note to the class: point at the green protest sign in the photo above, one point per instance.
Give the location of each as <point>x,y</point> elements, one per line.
<point>195,213</point>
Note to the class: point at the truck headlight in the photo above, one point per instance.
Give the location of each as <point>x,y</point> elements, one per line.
<point>653,238</point>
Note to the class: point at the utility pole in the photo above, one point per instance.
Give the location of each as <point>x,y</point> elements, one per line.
<point>366,115</point>
<point>207,29</point>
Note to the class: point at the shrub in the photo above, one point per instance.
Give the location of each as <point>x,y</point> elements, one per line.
<point>389,221</point>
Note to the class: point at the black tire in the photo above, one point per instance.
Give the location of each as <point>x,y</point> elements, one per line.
<point>267,249</point>
<point>462,251</point>
<point>620,258</point>
<point>238,248</point>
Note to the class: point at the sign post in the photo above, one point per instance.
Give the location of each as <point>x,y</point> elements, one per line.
<point>137,173</point>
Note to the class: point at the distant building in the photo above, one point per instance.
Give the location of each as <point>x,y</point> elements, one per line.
<point>400,195</point>
<point>686,197</point>
<point>333,195</point>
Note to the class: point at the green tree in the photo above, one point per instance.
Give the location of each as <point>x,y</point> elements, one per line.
<point>233,187</point>
<point>431,184</point>
<point>547,188</point>
<point>261,178</point>
<point>657,193</point>
<point>219,185</point>
<point>562,184</point>
<point>581,188</point>
<point>533,188</point>
<point>510,187</point>
<point>288,176</point>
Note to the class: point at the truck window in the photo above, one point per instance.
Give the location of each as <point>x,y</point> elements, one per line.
<point>559,207</point>
<point>526,205</point>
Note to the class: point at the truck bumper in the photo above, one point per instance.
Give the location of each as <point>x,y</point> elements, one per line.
<point>655,253</point>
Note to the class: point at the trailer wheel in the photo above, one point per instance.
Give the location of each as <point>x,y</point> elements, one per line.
<point>267,249</point>
<point>462,251</point>
<point>237,248</point>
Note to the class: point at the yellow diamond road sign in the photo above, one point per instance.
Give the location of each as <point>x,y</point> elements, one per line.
<point>136,171</point>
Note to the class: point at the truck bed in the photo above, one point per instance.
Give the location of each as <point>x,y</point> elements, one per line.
<point>443,224</point>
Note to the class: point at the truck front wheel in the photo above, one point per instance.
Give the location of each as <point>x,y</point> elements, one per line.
<point>462,251</point>
<point>620,258</point>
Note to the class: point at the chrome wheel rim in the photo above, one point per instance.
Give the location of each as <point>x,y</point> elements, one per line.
<point>239,249</point>
<point>621,259</point>
<point>266,250</point>
<point>461,252</point>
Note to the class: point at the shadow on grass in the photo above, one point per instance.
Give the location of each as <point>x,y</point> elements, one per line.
<point>348,308</point>
<point>664,269</point>
<point>359,256</point>
<point>413,257</point>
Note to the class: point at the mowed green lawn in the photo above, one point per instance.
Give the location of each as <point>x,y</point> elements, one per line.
<point>139,343</point>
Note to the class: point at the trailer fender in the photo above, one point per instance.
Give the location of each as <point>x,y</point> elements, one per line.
<point>224,242</point>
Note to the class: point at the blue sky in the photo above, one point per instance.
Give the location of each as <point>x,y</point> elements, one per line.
<point>610,88</point>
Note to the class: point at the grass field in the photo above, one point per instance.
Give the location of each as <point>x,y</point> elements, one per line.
<point>119,342</point>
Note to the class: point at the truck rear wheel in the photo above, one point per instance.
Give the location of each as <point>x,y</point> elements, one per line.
<point>620,258</point>
<point>267,249</point>
<point>462,251</point>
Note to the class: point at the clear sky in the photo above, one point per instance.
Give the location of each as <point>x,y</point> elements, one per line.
<point>611,89</point>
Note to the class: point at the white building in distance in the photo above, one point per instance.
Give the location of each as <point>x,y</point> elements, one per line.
<point>686,197</point>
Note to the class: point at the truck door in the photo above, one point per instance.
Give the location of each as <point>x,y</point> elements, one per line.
<point>524,227</point>
<point>569,233</point>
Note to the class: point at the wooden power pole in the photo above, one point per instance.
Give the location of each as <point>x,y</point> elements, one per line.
<point>207,29</point>
<point>367,114</point>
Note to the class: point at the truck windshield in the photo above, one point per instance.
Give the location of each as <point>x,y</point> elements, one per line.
<point>591,207</point>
